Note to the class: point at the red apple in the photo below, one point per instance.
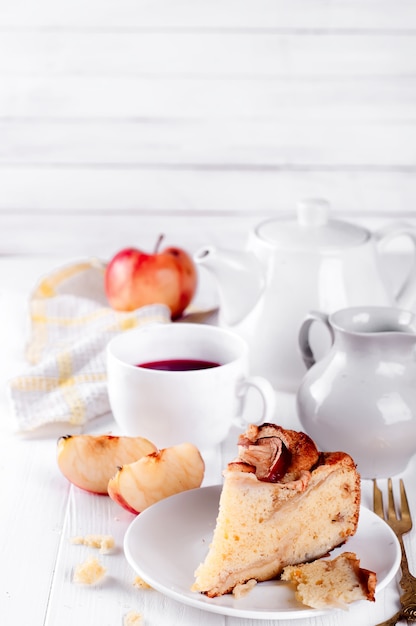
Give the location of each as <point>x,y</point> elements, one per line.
<point>134,278</point>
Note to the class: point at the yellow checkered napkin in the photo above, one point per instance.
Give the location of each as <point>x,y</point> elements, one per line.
<point>71,324</point>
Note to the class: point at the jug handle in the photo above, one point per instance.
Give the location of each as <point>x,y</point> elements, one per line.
<point>303,338</point>
<point>405,295</point>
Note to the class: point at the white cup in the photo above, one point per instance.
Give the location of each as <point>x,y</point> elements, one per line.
<point>171,407</point>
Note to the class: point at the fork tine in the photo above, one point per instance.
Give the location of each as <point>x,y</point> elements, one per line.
<point>405,510</point>
<point>378,500</point>
<point>391,509</point>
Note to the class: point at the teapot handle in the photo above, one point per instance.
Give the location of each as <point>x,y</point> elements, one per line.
<point>303,337</point>
<point>405,295</point>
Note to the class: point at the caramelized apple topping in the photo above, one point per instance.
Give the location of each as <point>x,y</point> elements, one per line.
<point>269,455</point>
<point>276,454</point>
<point>241,466</point>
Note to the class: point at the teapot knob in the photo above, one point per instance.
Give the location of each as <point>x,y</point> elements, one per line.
<point>313,212</point>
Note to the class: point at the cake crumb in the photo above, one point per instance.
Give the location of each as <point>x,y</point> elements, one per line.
<point>104,542</point>
<point>133,619</point>
<point>140,583</point>
<point>89,572</point>
<point>243,589</point>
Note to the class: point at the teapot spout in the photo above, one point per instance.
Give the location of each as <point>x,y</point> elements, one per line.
<point>240,280</point>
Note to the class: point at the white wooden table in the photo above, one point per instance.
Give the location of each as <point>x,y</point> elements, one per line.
<point>41,511</point>
<point>121,119</point>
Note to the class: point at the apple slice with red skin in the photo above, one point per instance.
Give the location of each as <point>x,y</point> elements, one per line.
<point>89,461</point>
<point>156,476</point>
<point>268,456</point>
<point>134,278</point>
<point>280,463</point>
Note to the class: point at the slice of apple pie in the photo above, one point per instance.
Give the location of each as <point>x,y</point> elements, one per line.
<point>282,503</point>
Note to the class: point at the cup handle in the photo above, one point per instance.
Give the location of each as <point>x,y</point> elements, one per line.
<point>267,395</point>
<point>303,338</point>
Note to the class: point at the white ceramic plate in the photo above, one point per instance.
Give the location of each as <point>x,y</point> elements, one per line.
<point>166,542</point>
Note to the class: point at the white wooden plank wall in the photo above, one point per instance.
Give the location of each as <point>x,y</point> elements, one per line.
<point>117,114</point>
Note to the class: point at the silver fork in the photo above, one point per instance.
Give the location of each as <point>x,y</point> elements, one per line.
<point>401,523</point>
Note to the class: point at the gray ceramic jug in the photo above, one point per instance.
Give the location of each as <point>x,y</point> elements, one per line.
<point>361,396</point>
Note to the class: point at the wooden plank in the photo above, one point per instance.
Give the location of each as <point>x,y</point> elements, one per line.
<point>104,190</point>
<point>216,14</point>
<point>83,235</point>
<point>37,495</point>
<point>307,100</point>
<point>253,142</point>
<point>260,54</point>
<point>102,235</point>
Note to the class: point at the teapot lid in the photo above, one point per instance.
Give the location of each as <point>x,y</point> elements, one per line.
<point>312,229</point>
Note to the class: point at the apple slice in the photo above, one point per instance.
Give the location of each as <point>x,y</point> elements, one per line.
<point>89,461</point>
<point>156,476</point>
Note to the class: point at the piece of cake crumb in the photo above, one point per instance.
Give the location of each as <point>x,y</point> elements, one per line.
<point>331,583</point>
<point>132,618</point>
<point>104,542</point>
<point>140,583</point>
<point>89,572</point>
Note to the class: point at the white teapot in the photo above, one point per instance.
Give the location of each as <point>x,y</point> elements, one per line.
<point>360,397</point>
<point>292,266</point>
